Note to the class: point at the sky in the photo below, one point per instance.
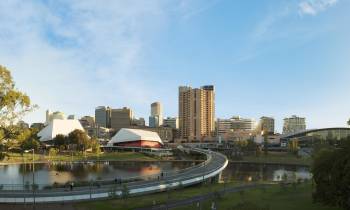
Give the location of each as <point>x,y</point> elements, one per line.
<point>265,58</point>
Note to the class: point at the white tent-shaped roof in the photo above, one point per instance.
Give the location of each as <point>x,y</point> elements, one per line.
<point>127,135</point>
<point>58,126</point>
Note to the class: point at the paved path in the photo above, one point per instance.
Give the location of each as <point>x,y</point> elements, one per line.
<point>214,164</point>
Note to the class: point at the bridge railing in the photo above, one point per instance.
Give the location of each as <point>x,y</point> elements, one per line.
<point>193,171</point>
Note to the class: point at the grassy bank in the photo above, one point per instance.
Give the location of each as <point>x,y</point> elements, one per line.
<point>148,200</point>
<point>278,158</point>
<point>268,198</point>
<point>118,156</point>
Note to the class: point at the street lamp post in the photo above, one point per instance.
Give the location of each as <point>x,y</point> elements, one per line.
<point>264,134</point>
<point>23,174</point>
<point>33,171</point>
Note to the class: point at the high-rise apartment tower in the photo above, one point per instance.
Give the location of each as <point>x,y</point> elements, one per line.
<point>293,124</point>
<point>196,112</point>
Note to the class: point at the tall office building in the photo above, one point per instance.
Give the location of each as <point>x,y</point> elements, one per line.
<point>171,122</point>
<point>234,124</point>
<point>244,124</point>
<point>103,116</point>
<point>293,124</point>
<point>71,117</point>
<point>50,116</point>
<point>156,118</point>
<point>121,118</point>
<point>267,124</point>
<point>223,126</point>
<point>156,109</point>
<point>196,112</point>
<point>138,122</point>
<point>87,121</point>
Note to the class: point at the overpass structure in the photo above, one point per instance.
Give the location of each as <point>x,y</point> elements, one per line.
<point>207,170</point>
<point>306,138</point>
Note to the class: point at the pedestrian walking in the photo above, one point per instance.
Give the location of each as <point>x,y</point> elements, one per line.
<point>71,186</point>
<point>213,206</point>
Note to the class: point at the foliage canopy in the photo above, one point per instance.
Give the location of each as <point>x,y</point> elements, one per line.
<point>331,173</point>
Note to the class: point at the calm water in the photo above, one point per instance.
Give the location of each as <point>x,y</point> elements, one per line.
<point>255,172</point>
<point>47,174</point>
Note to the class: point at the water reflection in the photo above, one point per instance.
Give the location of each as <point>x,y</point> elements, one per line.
<point>264,172</point>
<point>61,172</point>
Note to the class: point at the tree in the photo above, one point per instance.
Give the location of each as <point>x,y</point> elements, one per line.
<point>95,146</point>
<point>13,103</point>
<point>125,192</point>
<point>53,152</point>
<point>30,144</point>
<point>248,146</point>
<point>60,141</point>
<point>293,145</point>
<point>80,139</point>
<point>331,174</point>
<point>13,106</point>
<point>27,139</point>
<point>348,122</point>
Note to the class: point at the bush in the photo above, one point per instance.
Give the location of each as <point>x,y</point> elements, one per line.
<point>125,192</point>
<point>331,173</point>
<point>3,155</point>
<point>53,152</point>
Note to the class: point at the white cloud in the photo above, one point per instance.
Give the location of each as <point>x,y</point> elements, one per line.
<point>265,25</point>
<point>313,7</point>
<point>191,8</point>
<point>75,55</point>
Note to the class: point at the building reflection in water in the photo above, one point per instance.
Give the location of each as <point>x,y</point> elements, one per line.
<point>47,174</point>
<point>263,172</point>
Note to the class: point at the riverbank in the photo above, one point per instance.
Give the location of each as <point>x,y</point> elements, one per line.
<point>149,200</point>
<point>270,198</point>
<point>275,158</point>
<point>17,158</point>
<point>130,203</point>
<point>273,197</point>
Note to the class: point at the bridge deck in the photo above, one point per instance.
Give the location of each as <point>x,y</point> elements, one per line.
<point>214,164</point>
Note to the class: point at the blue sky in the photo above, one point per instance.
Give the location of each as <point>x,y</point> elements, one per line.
<point>274,58</point>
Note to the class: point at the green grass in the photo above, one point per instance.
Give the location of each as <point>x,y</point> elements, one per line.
<point>147,200</point>
<point>283,158</point>
<point>271,198</point>
<point>118,156</point>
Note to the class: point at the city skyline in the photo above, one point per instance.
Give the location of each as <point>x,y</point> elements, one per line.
<point>288,58</point>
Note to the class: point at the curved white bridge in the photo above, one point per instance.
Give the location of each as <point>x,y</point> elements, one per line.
<point>214,164</point>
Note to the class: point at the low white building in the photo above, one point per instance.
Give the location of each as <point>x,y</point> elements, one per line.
<point>136,138</point>
<point>58,126</point>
